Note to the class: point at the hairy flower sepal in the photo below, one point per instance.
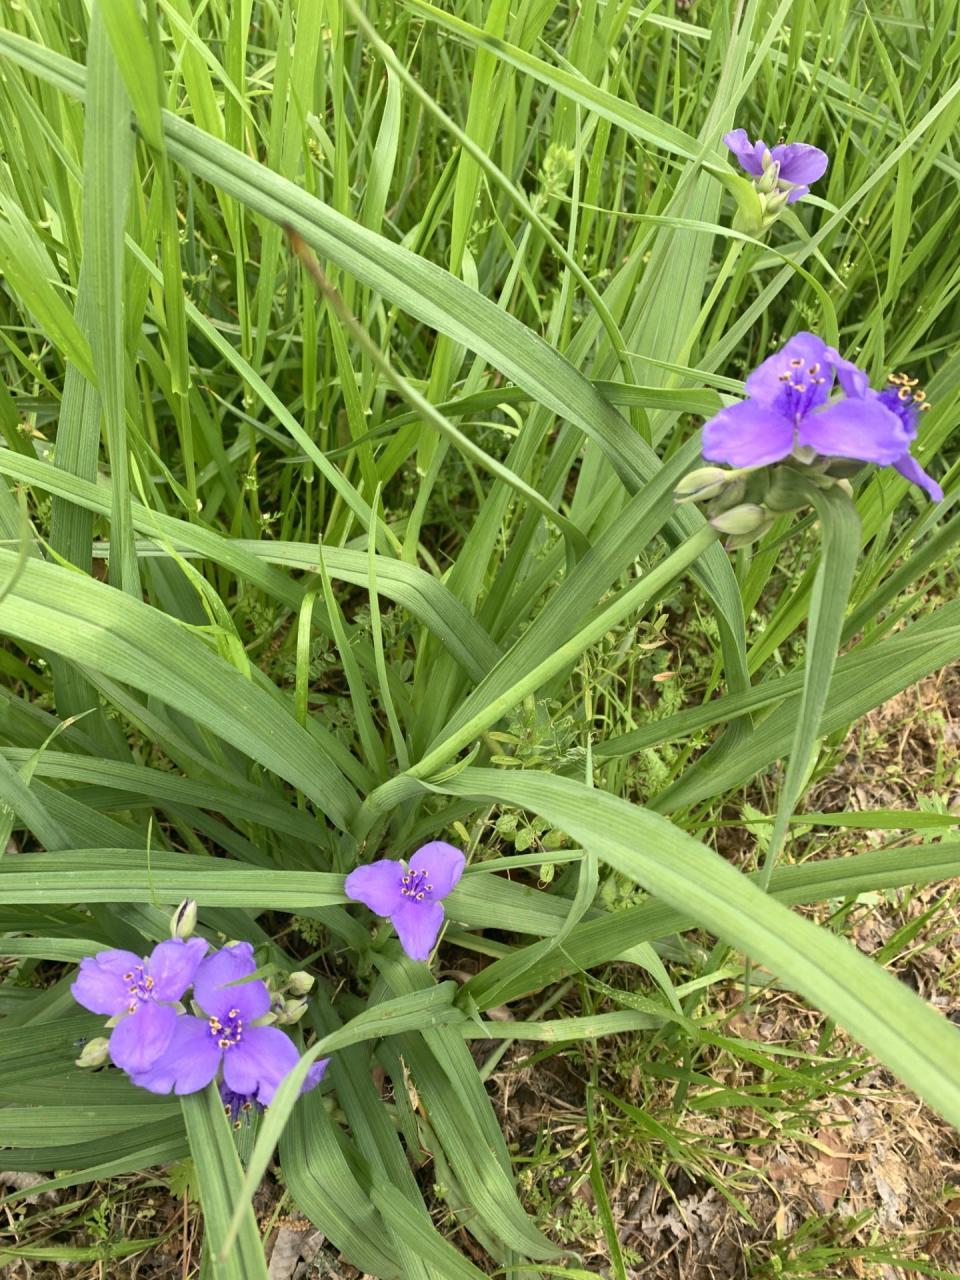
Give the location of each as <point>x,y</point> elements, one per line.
<point>410,893</point>
<point>757,209</point>
<point>789,488</point>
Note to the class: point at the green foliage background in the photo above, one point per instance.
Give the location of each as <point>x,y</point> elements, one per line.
<point>280,596</point>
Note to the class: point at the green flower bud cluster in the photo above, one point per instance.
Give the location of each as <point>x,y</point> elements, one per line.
<point>744,502</point>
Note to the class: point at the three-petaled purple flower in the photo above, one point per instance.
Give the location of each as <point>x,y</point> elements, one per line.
<point>409,894</point>
<point>142,993</point>
<point>788,168</point>
<point>788,411</point>
<point>255,1059</point>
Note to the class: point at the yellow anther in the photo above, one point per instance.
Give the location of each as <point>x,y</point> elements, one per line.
<point>796,364</point>
<point>903,393</point>
<point>813,370</point>
<point>919,395</point>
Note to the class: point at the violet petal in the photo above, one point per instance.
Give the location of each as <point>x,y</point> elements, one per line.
<point>228,966</point>
<point>100,990</point>
<point>853,428</point>
<point>139,1039</point>
<point>418,926</point>
<point>173,964</point>
<point>259,1062</point>
<point>911,470</point>
<point>189,1063</point>
<point>747,152</point>
<point>377,885</point>
<point>747,434</point>
<point>443,863</point>
<point>766,382</point>
<point>800,162</point>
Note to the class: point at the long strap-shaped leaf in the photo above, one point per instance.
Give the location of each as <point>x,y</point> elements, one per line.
<point>105,630</point>
<point>435,297</point>
<point>840,527</point>
<point>220,1176</point>
<point>424,596</point>
<point>880,1012</point>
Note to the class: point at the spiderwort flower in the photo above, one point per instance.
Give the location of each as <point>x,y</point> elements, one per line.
<point>785,170</point>
<point>255,1058</point>
<point>410,894</point>
<point>903,398</point>
<point>787,412</point>
<point>141,992</point>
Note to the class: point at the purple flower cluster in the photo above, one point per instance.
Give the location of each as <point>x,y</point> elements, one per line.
<point>789,412</point>
<point>162,1047</point>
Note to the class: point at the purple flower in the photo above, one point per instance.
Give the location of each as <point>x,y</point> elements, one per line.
<point>786,409</point>
<point>118,982</point>
<point>789,167</point>
<point>255,1059</point>
<point>907,403</point>
<point>409,894</point>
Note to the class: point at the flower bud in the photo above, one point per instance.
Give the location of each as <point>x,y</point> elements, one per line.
<point>300,983</point>
<point>184,919</point>
<point>733,495</point>
<point>773,205</point>
<point>292,1011</point>
<point>94,1053</point>
<point>704,483</point>
<point>771,175</point>
<point>740,521</point>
